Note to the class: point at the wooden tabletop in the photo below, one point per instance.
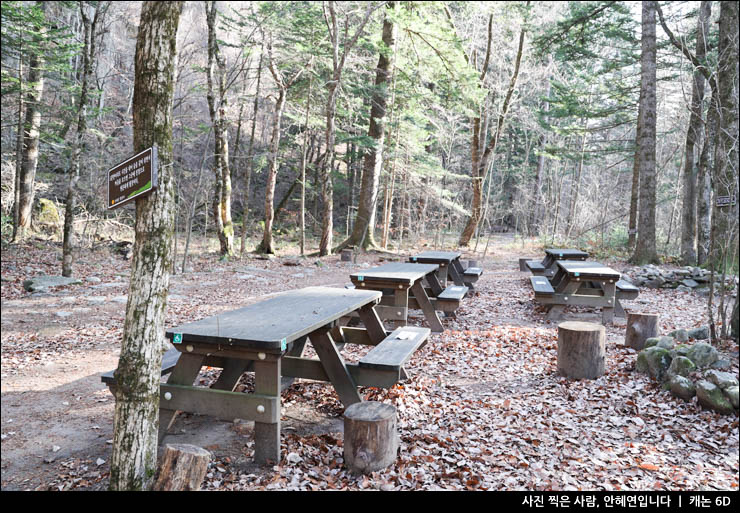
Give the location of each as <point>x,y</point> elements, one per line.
<point>566,253</point>
<point>272,323</point>
<point>396,272</point>
<point>593,270</point>
<point>433,257</point>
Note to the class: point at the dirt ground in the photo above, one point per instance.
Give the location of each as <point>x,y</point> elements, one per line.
<point>57,415</point>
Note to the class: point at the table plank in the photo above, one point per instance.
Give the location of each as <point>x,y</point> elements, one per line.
<point>593,270</point>
<point>271,324</point>
<point>566,253</point>
<point>434,257</point>
<point>399,272</point>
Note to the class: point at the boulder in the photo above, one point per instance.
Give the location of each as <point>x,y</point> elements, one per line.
<point>41,283</point>
<point>710,396</point>
<point>666,342</point>
<point>689,283</point>
<point>731,394</point>
<point>652,341</point>
<point>682,387</point>
<point>703,355</point>
<point>680,366</point>
<point>723,380</point>
<point>680,335</point>
<point>680,350</point>
<point>654,361</point>
<point>699,333</point>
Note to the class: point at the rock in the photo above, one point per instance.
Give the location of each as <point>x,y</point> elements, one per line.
<point>680,335</point>
<point>711,396</point>
<point>93,279</point>
<point>683,288</point>
<point>731,394</point>
<point>703,355</point>
<point>723,380</point>
<point>652,341</point>
<point>46,212</point>
<point>666,342</point>
<point>655,361</point>
<point>680,350</point>
<point>41,283</point>
<point>723,364</point>
<point>680,366</point>
<point>699,333</point>
<point>654,283</point>
<point>689,283</point>
<point>682,387</point>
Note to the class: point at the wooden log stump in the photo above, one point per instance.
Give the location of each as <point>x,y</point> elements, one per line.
<point>472,263</point>
<point>640,327</point>
<point>523,264</point>
<point>370,437</point>
<point>346,255</point>
<point>183,468</point>
<point>581,350</point>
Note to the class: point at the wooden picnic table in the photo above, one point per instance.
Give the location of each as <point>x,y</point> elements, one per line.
<point>548,266</point>
<point>578,283</point>
<point>268,338</point>
<point>406,280</point>
<point>450,266</point>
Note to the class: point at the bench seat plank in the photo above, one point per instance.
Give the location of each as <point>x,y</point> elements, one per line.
<point>452,293</point>
<point>534,265</point>
<point>393,351</point>
<point>169,360</point>
<point>625,286</point>
<point>541,286</point>
<point>473,271</point>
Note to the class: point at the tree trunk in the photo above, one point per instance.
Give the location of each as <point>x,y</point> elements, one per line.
<point>250,157</point>
<point>18,148</point>
<point>30,156</point>
<point>304,156</point>
<point>217,109</point>
<point>693,137</point>
<point>364,227</point>
<point>645,249</point>
<point>537,204</point>
<point>134,453</point>
<point>266,244</point>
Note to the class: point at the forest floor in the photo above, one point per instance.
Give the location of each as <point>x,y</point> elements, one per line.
<point>484,407</point>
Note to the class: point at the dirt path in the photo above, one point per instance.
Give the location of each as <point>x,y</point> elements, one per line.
<point>57,417</point>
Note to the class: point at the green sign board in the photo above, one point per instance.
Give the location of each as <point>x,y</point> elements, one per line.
<point>134,177</point>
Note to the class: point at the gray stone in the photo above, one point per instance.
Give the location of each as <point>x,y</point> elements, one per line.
<point>723,364</point>
<point>703,355</point>
<point>680,366</point>
<point>682,387</point>
<point>689,283</point>
<point>680,350</point>
<point>93,279</point>
<point>41,283</point>
<point>63,314</point>
<point>666,342</point>
<point>654,361</point>
<point>731,394</point>
<point>683,288</point>
<point>655,283</point>
<point>652,341</point>
<point>701,333</point>
<point>711,396</point>
<point>723,380</point>
<point>680,335</point>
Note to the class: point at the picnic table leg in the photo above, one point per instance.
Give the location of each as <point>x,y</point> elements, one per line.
<point>426,306</point>
<point>555,312</point>
<point>373,324</point>
<point>232,371</point>
<point>618,309</point>
<point>185,371</point>
<point>607,312</point>
<point>335,368</point>
<point>442,274</point>
<point>267,435</point>
<point>457,276</point>
<point>434,284</point>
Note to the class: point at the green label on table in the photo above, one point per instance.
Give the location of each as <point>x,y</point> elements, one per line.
<point>177,339</point>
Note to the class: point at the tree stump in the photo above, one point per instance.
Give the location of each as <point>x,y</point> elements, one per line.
<point>581,350</point>
<point>472,263</point>
<point>523,264</point>
<point>346,255</point>
<point>370,437</point>
<point>183,467</point>
<point>640,327</point>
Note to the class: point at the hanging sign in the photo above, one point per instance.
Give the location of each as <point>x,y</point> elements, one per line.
<point>725,201</point>
<point>134,177</point>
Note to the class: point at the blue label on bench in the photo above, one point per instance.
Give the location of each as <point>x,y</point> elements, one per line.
<point>177,338</point>
<point>283,345</point>
<point>577,274</point>
<point>413,259</point>
<point>360,278</point>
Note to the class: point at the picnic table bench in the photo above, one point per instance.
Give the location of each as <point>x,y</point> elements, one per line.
<point>450,266</point>
<point>268,337</point>
<point>403,284</point>
<point>583,284</point>
<point>547,267</point>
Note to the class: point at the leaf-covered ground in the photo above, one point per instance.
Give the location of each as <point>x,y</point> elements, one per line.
<point>484,409</point>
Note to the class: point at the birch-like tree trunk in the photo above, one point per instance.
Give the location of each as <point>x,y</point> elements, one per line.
<point>250,156</point>
<point>645,249</point>
<point>134,453</point>
<point>693,138</point>
<point>30,156</point>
